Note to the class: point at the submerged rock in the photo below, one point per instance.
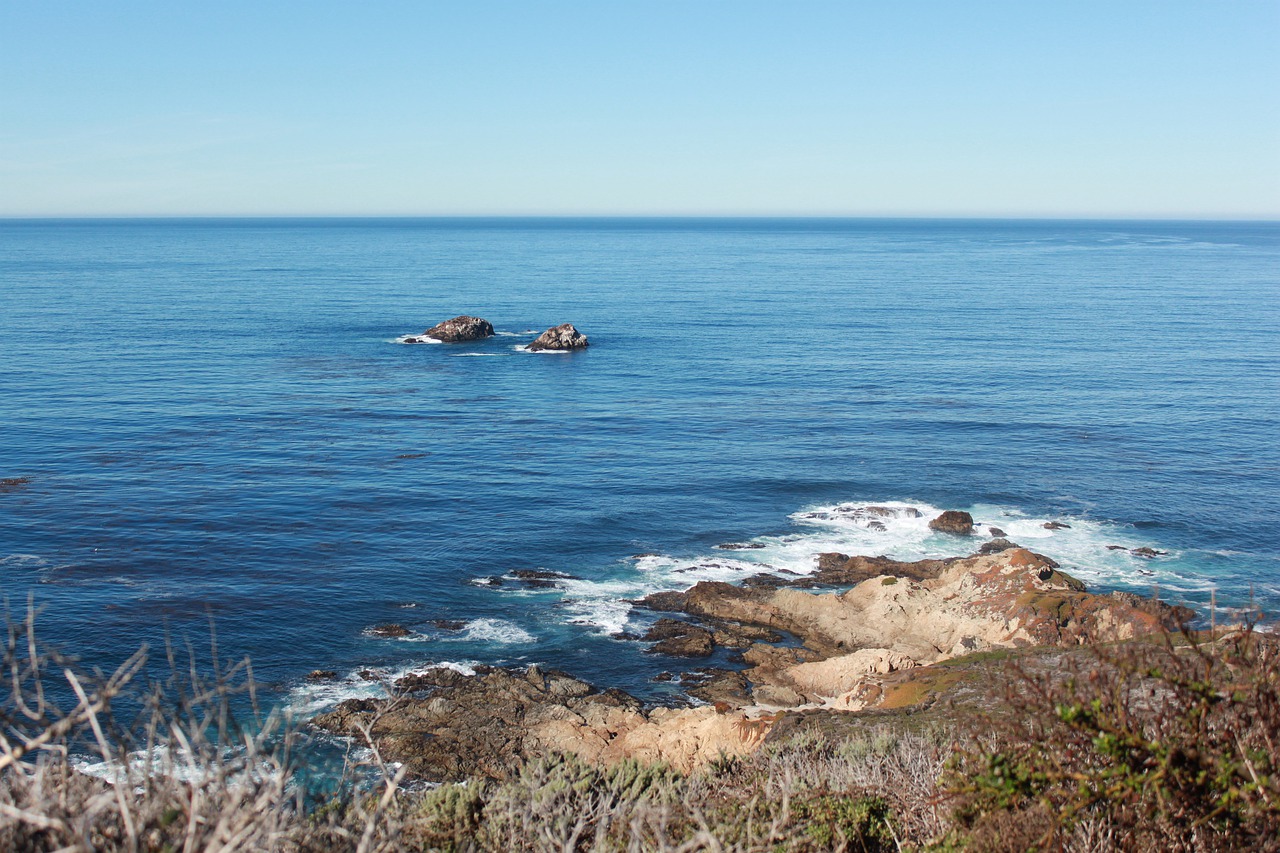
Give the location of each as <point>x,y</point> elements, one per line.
<point>1055,525</point>
<point>562,337</point>
<point>952,521</point>
<point>459,329</point>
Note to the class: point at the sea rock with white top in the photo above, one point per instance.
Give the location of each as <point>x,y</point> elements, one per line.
<point>559,338</point>
<point>460,330</point>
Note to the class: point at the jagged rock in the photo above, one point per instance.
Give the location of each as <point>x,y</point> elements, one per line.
<point>836,569</point>
<point>541,578</point>
<point>322,675</point>
<point>723,686</point>
<point>562,337</point>
<point>952,521</point>
<point>460,329</point>
<point>486,725</point>
<point>739,546</point>
<point>995,546</point>
<point>448,624</point>
<point>1055,525</point>
<point>996,532</point>
<point>12,484</point>
<point>679,639</point>
<point>1148,552</point>
<point>391,630</point>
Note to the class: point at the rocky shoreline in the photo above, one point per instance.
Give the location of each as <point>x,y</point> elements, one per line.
<point>860,635</point>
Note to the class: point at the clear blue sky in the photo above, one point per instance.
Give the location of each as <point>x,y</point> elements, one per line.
<point>810,108</point>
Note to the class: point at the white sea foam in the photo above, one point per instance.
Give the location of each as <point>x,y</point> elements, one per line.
<point>311,697</point>
<point>896,529</point>
<point>416,339</point>
<point>179,764</point>
<point>496,631</point>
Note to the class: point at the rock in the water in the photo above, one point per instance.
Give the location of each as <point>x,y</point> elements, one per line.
<point>392,630</point>
<point>322,675</point>
<point>996,532</point>
<point>740,546</point>
<point>1055,525</point>
<point>448,624</point>
<point>562,337</point>
<point>1147,552</point>
<point>954,522</point>
<point>460,329</point>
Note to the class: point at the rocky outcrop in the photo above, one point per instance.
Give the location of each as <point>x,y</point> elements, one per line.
<point>453,726</point>
<point>952,521</point>
<point>562,337</point>
<point>884,642</point>
<point>679,639</point>
<point>933,610</point>
<point>393,631</point>
<point>459,330</point>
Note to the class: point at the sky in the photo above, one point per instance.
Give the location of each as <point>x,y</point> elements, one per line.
<point>1122,108</point>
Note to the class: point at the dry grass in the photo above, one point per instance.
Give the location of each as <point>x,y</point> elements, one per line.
<point>1158,746</point>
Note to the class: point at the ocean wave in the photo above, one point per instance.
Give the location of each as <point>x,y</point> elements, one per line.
<point>311,697</point>
<point>496,631</point>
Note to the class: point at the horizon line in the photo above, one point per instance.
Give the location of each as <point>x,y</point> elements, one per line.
<point>191,217</point>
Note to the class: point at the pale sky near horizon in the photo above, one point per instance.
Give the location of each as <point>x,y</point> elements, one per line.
<point>1164,109</point>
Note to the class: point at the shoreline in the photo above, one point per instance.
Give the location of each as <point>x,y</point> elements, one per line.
<point>860,635</point>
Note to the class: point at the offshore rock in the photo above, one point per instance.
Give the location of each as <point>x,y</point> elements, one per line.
<point>460,329</point>
<point>954,522</point>
<point>562,337</point>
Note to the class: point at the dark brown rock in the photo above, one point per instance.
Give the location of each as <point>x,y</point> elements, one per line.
<point>739,546</point>
<point>12,484</point>
<point>995,546</point>
<point>996,532</point>
<point>1148,552</point>
<point>842,570</point>
<point>460,329</point>
<point>391,630</point>
<point>723,686</point>
<point>448,624</point>
<point>322,675</point>
<point>1055,525</point>
<point>562,337</point>
<point>679,639</point>
<point>952,521</point>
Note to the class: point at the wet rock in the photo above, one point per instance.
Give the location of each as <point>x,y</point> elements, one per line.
<point>392,631</point>
<point>448,624</point>
<point>739,546</point>
<point>460,329</point>
<point>877,526</point>
<point>996,532</point>
<point>995,546</point>
<point>1148,553</point>
<point>835,569</point>
<point>679,639</point>
<point>562,337</point>
<point>723,686</point>
<point>955,522</point>
<point>663,677</point>
<point>322,675</point>
<point>1055,525</point>
<point>624,635</point>
<point>541,578</point>
<point>764,581</point>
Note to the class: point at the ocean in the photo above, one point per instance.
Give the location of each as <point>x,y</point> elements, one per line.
<point>212,423</point>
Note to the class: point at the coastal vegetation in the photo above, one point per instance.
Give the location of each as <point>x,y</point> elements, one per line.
<point>1167,742</point>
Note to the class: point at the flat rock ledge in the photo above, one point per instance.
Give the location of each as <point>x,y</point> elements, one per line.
<point>562,337</point>
<point>458,330</point>
<point>868,647</point>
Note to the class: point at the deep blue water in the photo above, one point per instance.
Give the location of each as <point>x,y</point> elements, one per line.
<point>216,419</point>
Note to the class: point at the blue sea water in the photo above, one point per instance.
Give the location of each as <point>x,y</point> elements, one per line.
<point>217,421</point>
